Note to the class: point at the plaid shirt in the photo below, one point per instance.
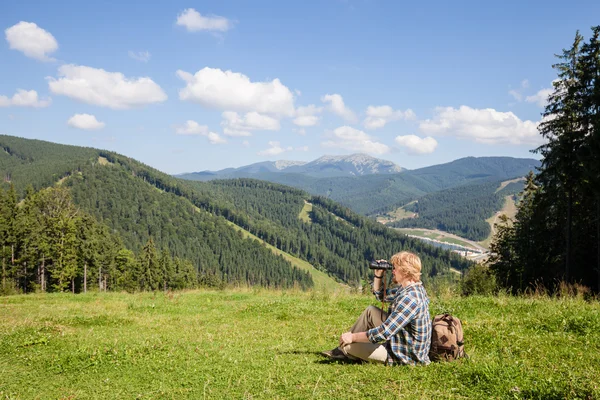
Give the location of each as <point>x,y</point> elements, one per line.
<point>407,329</point>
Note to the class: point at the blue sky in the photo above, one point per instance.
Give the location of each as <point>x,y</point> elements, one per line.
<point>194,85</point>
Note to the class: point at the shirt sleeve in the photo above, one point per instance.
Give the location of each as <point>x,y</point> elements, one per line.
<point>402,314</point>
<point>390,294</point>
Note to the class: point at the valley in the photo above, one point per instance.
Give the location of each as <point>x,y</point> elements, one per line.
<point>511,186</point>
<point>249,232</point>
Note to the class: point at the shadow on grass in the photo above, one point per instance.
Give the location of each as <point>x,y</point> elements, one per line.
<point>317,353</point>
<point>328,361</point>
<point>324,359</point>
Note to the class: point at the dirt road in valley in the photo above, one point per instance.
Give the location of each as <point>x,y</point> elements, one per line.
<point>442,235</point>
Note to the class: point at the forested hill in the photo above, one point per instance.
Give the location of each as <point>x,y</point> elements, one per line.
<point>461,210</point>
<point>475,169</point>
<point>188,220</point>
<point>378,193</point>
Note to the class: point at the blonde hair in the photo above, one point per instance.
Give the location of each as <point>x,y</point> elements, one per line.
<point>408,263</point>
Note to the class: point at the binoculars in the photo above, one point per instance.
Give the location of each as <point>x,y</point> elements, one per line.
<point>381,265</point>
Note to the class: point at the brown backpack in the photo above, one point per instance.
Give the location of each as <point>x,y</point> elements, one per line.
<point>447,341</point>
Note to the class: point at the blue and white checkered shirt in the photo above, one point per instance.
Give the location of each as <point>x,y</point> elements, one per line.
<point>407,329</point>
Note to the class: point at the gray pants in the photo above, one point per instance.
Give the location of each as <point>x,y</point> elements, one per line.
<point>377,353</point>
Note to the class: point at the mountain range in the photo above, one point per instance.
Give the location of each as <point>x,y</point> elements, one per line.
<point>235,232</point>
<point>371,186</point>
<point>323,167</point>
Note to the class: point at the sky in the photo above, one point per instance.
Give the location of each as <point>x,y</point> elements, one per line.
<point>187,86</point>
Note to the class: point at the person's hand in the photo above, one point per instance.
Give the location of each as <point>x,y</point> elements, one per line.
<point>346,338</point>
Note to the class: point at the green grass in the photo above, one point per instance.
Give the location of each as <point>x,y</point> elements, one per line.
<point>397,214</point>
<point>418,232</point>
<point>264,345</point>
<point>434,235</point>
<point>305,213</point>
<point>454,241</point>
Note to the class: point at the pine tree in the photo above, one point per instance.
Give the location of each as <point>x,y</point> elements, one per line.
<point>128,271</point>
<point>59,221</point>
<point>562,128</point>
<point>590,152</point>
<point>168,271</point>
<point>150,267</point>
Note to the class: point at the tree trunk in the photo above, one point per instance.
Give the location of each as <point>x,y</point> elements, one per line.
<point>3,270</point>
<point>73,285</point>
<point>85,277</point>
<point>100,279</point>
<point>568,249</point>
<point>598,240</point>
<point>43,274</point>
<point>25,278</point>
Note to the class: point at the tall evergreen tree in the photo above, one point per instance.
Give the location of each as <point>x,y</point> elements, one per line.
<point>543,246</point>
<point>590,152</point>
<point>59,218</point>
<point>562,128</point>
<point>150,268</point>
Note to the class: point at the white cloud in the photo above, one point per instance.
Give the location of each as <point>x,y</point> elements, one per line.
<point>482,125</point>
<point>300,131</point>
<point>32,40</point>
<point>234,125</point>
<point>85,121</point>
<point>540,98</point>
<point>192,128</point>
<point>24,98</point>
<point>143,56</point>
<point>348,138</point>
<point>103,88</point>
<point>227,90</point>
<point>379,116</point>
<point>417,145</point>
<point>215,138</point>
<point>194,21</point>
<point>246,143</point>
<point>302,148</point>
<point>274,149</point>
<point>518,93</point>
<point>514,93</point>
<point>307,116</point>
<point>337,106</point>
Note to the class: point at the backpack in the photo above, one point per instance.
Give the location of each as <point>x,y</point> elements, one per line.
<point>447,341</point>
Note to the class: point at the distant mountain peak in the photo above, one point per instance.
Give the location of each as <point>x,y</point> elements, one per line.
<point>327,166</point>
<point>357,157</point>
<point>363,164</point>
<point>283,164</point>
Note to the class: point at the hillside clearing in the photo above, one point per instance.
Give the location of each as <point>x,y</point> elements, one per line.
<point>305,212</point>
<point>509,209</point>
<point>506,183</point>
<point>265,345</point>
<point>321,279</point>
<point>103,161</point>
<point>396,215</point>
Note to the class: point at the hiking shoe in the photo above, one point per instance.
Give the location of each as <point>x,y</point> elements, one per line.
<point>335,354</point>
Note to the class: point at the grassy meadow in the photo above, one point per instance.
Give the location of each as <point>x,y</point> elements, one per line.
<point>259,344</point>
